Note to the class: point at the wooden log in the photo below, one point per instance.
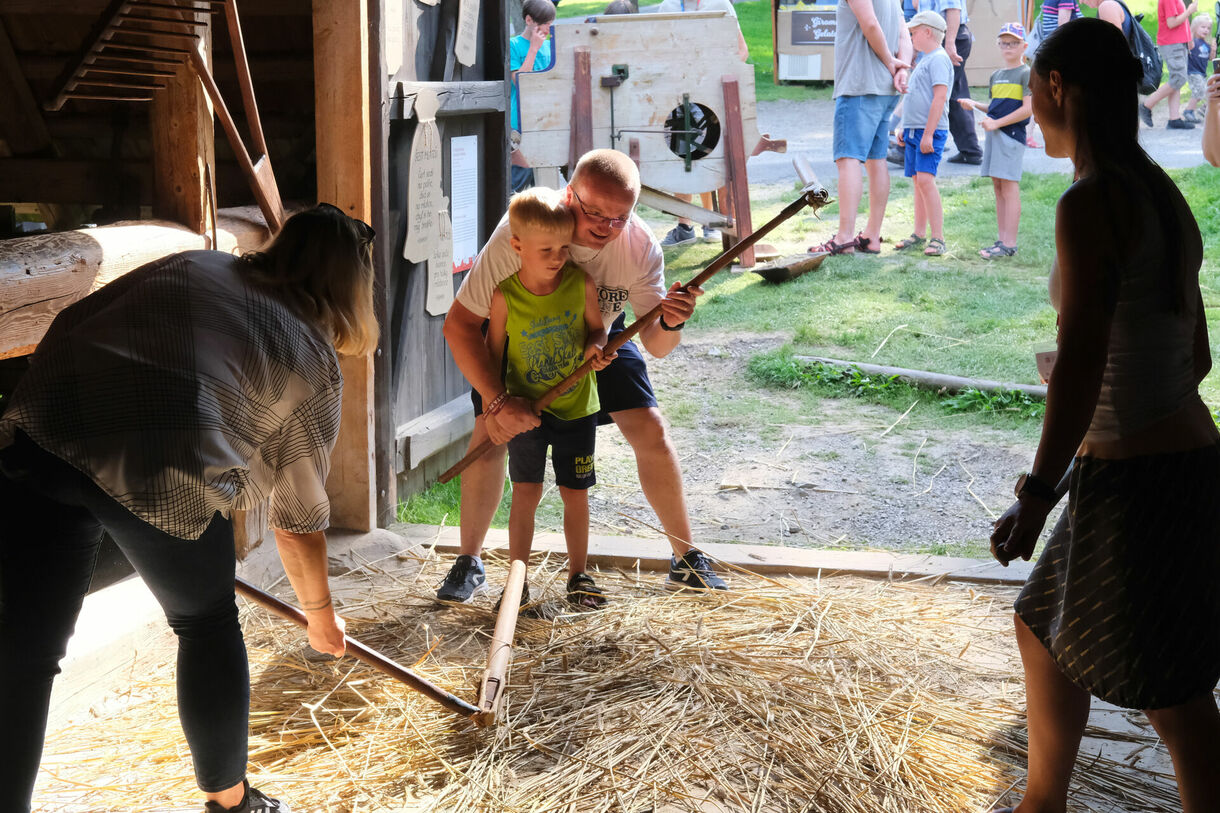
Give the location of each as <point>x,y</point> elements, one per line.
<point>44,273</point>
<point>936,381</point>
<point>341,93</point>
<point>500,653</point>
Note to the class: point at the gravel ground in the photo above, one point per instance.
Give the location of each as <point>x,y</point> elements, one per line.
<point>807,127</point>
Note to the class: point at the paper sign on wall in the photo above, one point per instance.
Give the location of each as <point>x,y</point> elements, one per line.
<point>424,193</point>
<point>464,187</point>
<point>467,32</point>
<point>440,269</point>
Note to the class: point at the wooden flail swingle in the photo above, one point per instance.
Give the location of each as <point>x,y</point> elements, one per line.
<point>667,55</point>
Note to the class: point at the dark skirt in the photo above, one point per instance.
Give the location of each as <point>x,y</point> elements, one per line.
<point>1125,595</point>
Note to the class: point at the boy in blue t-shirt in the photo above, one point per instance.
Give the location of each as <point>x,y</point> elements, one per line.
<point>925,127</point>
<point>1197,58</point>
<point>532,50</point>
<point>1008,111</point>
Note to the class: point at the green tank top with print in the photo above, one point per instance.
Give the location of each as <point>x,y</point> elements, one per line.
<point>546,342</point>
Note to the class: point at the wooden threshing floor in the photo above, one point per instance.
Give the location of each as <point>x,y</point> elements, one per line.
<point>810,694</point>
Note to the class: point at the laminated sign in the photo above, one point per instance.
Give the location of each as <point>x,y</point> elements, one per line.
<point>467,32</point>
<point>440,268</point>
<point>425,197</point>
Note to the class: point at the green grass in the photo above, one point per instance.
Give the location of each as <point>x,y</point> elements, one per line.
<point>956,314</point>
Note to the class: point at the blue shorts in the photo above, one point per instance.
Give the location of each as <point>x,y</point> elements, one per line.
<point>917,161</point>
<point>862,126</point>
<point>571,444</point>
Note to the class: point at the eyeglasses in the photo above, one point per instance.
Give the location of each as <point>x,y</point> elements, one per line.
<point>615,223</point>
<point>1010,43</point>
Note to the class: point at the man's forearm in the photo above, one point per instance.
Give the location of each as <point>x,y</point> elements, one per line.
<point>469,351</point>
<point>659,342</point>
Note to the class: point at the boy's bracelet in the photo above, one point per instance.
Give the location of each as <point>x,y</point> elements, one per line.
<point>496,403</point>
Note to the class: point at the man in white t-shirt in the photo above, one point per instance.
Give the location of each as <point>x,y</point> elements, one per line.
<point>615,247</point>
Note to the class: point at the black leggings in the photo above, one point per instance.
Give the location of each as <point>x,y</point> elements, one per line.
<point>51,523</point>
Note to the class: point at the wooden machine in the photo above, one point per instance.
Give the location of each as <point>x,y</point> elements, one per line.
<point>669,90</point>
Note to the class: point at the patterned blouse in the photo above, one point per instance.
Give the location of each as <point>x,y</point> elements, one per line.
<point>182,390</point>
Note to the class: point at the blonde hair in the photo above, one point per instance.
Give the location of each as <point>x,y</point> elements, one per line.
<point>1198,21</point>
<point>320,265</point>
<point>539,209</point>
<point>609,168</point>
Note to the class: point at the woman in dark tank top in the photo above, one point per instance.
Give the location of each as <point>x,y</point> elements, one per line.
<point>1121,604</point>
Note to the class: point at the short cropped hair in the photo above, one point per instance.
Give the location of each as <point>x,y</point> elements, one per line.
<point>610,168</point>
<point>540,11</point>
<point>620,7</point>
<point>539,209</point>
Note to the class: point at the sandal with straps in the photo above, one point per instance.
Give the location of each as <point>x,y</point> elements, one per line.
<point>583,592</point>
<point>997,250</point>
<point>862,245</point>
<point>914,241</point>
<point>832,248</point>
<point>936,247</point>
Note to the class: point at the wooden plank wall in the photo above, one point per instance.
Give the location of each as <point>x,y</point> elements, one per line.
<point>424,375</point>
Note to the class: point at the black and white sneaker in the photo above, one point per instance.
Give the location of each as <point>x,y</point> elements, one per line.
<point>255,801</point>
<point>693,572</point>
<point>465,580</point>
<point>679,235</point>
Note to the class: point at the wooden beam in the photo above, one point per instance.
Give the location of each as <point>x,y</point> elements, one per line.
<point>736,184</point>
<point>183,143</point>
<point>341,93</point>
<point>42,274</point>
<point>629,553</point>
<point>423,437</point>
<point>94,8</point>
<point>455,98</point>
<point>383,26</point>
<point>582,108</point>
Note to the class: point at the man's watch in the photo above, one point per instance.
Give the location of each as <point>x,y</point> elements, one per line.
<point>1030,484</point>
<point>664,326</point>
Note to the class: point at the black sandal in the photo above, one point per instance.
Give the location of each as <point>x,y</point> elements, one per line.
<point>583,592</point>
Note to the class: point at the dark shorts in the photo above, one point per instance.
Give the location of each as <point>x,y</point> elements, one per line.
<point>571,444</point>
<point>622,385</point>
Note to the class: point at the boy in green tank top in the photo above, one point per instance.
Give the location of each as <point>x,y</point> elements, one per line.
<point>544,322</point>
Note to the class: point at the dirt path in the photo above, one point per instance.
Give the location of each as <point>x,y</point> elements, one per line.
<point>834,478</point>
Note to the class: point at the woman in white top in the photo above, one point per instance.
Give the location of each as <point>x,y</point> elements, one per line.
<point>194,385</point>
<point>1122,603</point>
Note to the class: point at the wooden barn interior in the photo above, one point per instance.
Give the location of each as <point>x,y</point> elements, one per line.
<point>109,137</point>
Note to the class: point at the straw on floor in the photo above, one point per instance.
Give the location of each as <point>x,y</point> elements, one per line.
<point>783,695</point>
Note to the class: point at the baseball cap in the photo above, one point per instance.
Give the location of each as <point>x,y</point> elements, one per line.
<point>929,18</point>
<point>1012,30</point>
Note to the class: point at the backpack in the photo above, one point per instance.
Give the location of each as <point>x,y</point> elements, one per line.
<point>1143,49</point>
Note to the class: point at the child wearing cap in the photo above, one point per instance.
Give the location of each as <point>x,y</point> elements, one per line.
<point>925,126</point>
<point>1008,111</point>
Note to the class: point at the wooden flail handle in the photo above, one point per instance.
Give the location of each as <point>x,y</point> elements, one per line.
<point>813,195</point>
<point>362,653</point>
<point>500,655</point>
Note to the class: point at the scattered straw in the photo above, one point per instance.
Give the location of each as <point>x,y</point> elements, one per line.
<point>782,696</point>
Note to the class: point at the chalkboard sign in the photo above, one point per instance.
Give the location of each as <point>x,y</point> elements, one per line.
<point>815,27</point>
